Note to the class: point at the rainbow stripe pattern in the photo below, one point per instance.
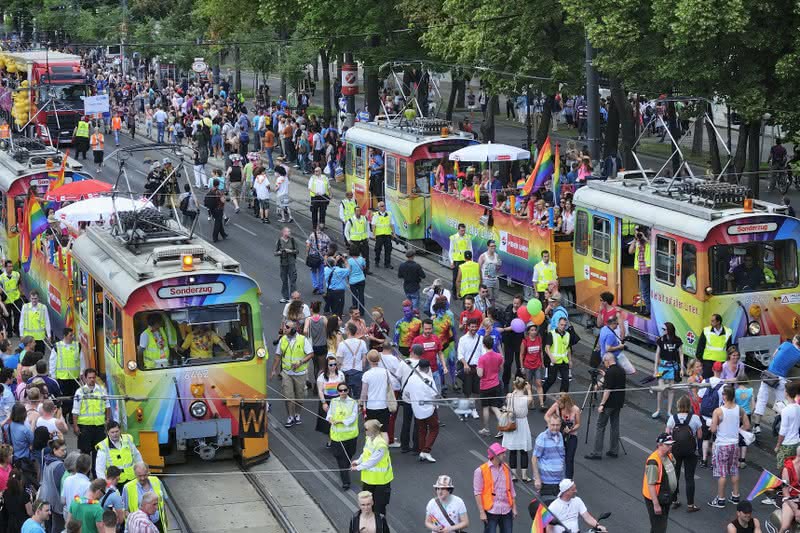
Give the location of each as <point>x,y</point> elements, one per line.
<point>542,171</point>
<point>766,481</point>
<point>542,518</point>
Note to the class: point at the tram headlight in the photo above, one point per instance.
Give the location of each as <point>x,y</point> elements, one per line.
<point>132,366</point>
<point>754,328</point>
<point>261,352</point>
<point>198,409</point>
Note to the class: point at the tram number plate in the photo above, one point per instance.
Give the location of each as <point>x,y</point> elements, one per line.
<point>195,375</point>
<point>252,419</point>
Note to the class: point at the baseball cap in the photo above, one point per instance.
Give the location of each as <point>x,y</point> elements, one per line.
<point>664,438</point>
<point>744,506</point>
<point>717,366</point>
<point>495,449</point>
<point>564,485</point>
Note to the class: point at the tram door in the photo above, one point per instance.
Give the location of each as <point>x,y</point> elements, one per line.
<point>97,327</point>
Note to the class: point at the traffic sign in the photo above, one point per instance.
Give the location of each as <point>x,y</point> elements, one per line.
<point>199,66</point>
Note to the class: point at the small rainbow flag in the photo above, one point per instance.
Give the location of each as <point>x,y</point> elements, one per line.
<point>456,170</point>
<point>542,518</point>
<point>57,177</point>
<point>765,482</point>
<point>557,174</point>
<point>36,218</point>
<point>542,170</point>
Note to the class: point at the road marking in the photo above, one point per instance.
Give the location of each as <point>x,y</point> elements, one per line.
<point>634,443</point>
<point>245,229</point>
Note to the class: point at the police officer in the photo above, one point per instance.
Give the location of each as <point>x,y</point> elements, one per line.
<point>81,136</point>
<point>383,229</point>
<point>356,232</point>
<point>91,410</point>
<point>713,344</point>
<point>543,273</point>
<point>117,449</point>
<point>460,242</point>
<point>9,283</point>
<point>66,366</point>
<point>35,321</point>
<point>347,209</point>
<point>375,466</point>
<point>468,279</point>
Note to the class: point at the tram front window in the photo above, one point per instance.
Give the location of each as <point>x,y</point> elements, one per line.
<point>194,336</point>
<point>756,266</point>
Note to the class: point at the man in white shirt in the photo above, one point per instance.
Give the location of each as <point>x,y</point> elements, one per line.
<point>293,353</point>
<point>320,191</point>
<point>77,483</point>
<point>470,348</point>
<point>568,507</point>
<point>374,385</point>
<point>351,355</point>
<point>420,391</point>
<point>789,432</point>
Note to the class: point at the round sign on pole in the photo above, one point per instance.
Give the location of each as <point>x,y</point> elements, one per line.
<point>199,66</point>
<point>349,79</point>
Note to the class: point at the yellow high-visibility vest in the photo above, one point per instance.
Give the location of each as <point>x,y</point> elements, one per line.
<point>545,273</point>
<point>559,351</point>
<point>93,410</point>
<point>341,410</point>
<point>358,229</point>
<point>133,499</point>
<point>715,344</point>
<point>154,353</point>
<point>121,457</point>
<point>381,473</point>
<point>470,278</point>
<point>68,360</point>
<point>459,245</point>
<point>11,286</point>
<point>646,255</point>
<point>82,130</point>
<point>348,209</point>
<point>294,353</point>
<point>383,224</point>
<point>35,323</point>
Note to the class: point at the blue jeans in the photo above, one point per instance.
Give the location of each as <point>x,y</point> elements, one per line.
<point>503,522</point>
<point>644,290</point>
<point>269,158</point>
<point>353,380</point>
<point>318,278</point>
<point>414,299</point>
<point>161,127</point>
<point>116,137</point>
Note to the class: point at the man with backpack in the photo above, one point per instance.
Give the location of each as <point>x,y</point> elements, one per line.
<point>215,203</point>
<point>710,399</point>
<point>685,427</point>
<point>725,424</point>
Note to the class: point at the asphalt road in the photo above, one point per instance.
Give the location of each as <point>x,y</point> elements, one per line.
<point>608,485</point>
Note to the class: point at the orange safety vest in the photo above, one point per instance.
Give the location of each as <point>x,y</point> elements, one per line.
<point>5,131</point>
<point>487,494</point>
<point>97,142</point>
<point>645,488</point>
<point>116,123</point>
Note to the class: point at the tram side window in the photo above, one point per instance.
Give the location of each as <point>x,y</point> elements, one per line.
<point>753,266</point>
<point>403,177</point>
<point>391,172</point>
<point>351,159</point>
<point>581,232</point>
<point>3,210</point>
<point>666,258</point>
<point>80,283</point>
<point>689,267</point>
<point>194,336</point>
<point>112,329</point>
<point>361,161</point>
<point>601,239</point>
<point>423,168</point>
<point>19,206</point>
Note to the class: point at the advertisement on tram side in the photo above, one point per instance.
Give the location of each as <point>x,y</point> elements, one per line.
<point>519,243</point>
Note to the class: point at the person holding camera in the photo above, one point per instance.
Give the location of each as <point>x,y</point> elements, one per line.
<point>640,249</point>
<point>610,405</point>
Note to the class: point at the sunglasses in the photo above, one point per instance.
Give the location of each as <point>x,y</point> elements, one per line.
<point>342,390</point>
<point>331,364</point>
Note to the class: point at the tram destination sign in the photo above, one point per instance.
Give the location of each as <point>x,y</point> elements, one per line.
<point>757,227</point>
<point>189,291</point>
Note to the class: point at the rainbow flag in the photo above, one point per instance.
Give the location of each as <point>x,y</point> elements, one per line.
<point>36,218</point>
<point>57,178</point>
<point>556,174</point>
<point>542,171</point>
<point>765,482</point>
<point>541,519</point>
<point>456,170</point>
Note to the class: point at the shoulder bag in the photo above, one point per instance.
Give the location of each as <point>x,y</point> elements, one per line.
<point>447,516</point>
<point>507,421</point>
<point>391,401</point>
<point>460,365</point>
<point>314,257</point>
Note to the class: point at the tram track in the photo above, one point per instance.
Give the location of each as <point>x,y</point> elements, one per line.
<point>272,503</point>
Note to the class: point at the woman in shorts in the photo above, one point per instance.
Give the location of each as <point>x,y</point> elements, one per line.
<point>530,355</point>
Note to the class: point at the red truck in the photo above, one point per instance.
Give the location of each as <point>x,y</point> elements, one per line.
<point>57,85</point>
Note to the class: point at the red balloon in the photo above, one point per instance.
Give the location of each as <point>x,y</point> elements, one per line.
<point>523,314</point>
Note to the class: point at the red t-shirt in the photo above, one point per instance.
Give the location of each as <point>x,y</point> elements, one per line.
<point>532,353</point>
<point>467,315</point>
<point>431,346</point>
<point>607,313</point>
<point>491,362</point>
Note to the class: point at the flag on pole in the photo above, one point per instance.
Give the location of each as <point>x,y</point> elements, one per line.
<point>541,519</point>
<point>556,174</point>
<point>766,481</point>
<point>57,178</point>
<point>456,170</point>
<point>34,223</point>
<point>542,171</point>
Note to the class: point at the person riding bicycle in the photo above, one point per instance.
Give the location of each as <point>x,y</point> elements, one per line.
<point>777,160</point>
<point>790,509</point>
<point>567,508</point>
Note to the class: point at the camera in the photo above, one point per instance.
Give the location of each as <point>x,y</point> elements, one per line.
<point>594,372</point>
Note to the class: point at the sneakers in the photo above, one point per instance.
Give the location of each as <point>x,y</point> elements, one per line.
<point>297,420</point>
<point>719,503</point>
<point>757,429</point>
<point>289,422</point>
<point>474,414</point>
<point>655,415</point>
<point>284,300</point>
<point>593,457</point>
<point>703,463</point>
<point>483,431</point>
<point>426,458</point>
<point>499,435</point>
<point>395,444</point>
<point>734,499</point>
<point>769,500</point>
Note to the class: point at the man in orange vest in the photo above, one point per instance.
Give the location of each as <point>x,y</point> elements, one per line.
<point>494,491</point>
<point>659,483</point>
<point>116,127</point>
<point>98,144</point>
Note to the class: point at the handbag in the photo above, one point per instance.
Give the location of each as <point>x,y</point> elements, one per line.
<point>769,379</point>
<point>460,364</point>
<point>391,401</point>
<point>747,436</point>
<point>314,258</point>
<point>507,421</point>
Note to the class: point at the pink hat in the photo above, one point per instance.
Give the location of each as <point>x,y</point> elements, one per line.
<point>495,449</point>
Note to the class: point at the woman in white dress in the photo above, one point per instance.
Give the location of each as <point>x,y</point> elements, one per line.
<point>519,442</point>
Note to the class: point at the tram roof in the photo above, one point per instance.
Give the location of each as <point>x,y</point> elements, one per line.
<point>11,168</point>
<point>396,140</point>
<point>40,56</point>
<point>632,199</point>
<point>122,270</point>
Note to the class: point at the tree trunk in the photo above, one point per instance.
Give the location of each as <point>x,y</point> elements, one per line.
<point>461,96</point>
<point>713,147</point>
<point>327,111</point>
<point>740,157</point>
<point>627,121</point>
<point>754,157</point>
<point>451,101</point>
<point>611,145</point>
<point>487,126</point>
<point>422,92</point>
<point>283,35</point>
<point>371,85</point>
<point>672,127</point>
<point>544,124</point>
<point>237,61</point>
<point>697,135</point>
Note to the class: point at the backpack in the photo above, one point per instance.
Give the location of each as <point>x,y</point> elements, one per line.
<point>184,205</point>
<point>685,440</point>
<point>710,401</point>
<point>211,201</point>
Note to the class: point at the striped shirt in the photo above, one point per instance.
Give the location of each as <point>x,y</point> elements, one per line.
<point>139,522</point>
<point>549,451</point>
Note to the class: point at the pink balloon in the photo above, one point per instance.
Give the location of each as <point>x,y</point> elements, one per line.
<point>517,325</point>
